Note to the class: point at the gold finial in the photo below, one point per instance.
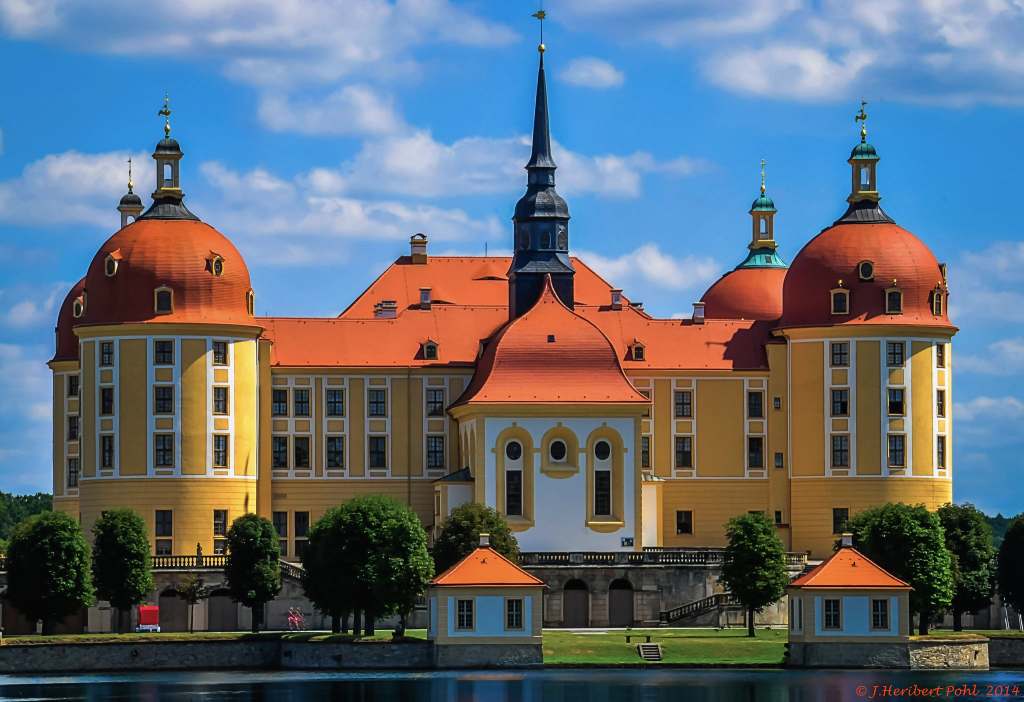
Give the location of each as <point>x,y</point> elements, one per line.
<point>130,184</point>
<point>763,162</point>
<point>862,117</point>
<point>541,16</point>
<point>165,112</point>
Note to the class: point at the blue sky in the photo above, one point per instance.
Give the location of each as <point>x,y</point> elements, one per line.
<point>320,135</point>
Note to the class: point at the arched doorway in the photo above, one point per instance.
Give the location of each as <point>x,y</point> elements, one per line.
<point>222,612</point>
<point>173,612</point>
<point>620,603</point>
<point>575,605</point>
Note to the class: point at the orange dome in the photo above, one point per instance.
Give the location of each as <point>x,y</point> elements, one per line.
<point>179,254</point>
<point>746,293</point>
<point>835,254</point>
<point>67,342</point>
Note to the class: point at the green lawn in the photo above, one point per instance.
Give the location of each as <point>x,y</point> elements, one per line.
<point>678,646</point>
<point>990,633</point>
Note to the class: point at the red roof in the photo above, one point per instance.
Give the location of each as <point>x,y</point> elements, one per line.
<point>849,568</point>
<point>67,342</point>
<point>834,254</point>
<point>485,567</point>
<point>550,354</point>
<point>746,293</point>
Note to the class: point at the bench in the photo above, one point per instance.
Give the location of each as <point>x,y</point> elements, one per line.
<point>646,637</point>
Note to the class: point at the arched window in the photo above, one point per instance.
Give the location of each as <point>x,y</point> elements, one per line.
<point>545,240</point>
<point>430,351</point>
<point>840,301</point>
<point>250,303</point>
<point>514,479</point>
<point>168,175</point>
<point>764,227</point>
<point>78,306</point>
<point>865,178</point>
<point>602,479</point>
<point>893,301</point>
<point>163,300</point>
<point>638,351</point>
<point>937,302</point>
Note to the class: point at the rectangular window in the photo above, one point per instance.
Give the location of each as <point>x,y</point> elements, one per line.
<point>301,444</point>
<point>73,428</point>
<point>940,451</point>
<point>220,400</point>
<point>684,452</point>
<point>435,402</point>
<point>163,450</point>
<point>163,352</point>
<point>896,401</point>
<point>940,355</point>
<point>778,516</point>
<point>514,493</point>
<point>840,402</point>
<point>72,386</point>
<point>279,403</point>
<point>780,460</point>
<point>106,451</point>
<point>435,453</point>
<point>832,615</point>
<point>163,399</point>
<point>72,472</point>
<point>336,452</point>
<point>895,354</point>
<point>755,452</point>
<point>220,522</point>
<point>335,403</point>
<point>603,493</point>
<point>880,614</point>
<point>301,533</point>
<point>280,520</point>
<point>220,353</point>
<point>163,547</point>
<point>840,354</point>
<point>940,403</point>
<point>645,452</point>
<point>378,452</point>
<point>300,402</point>
<point>513,614</point>
<point>755,405</point>
<point>897,450</point>
<point>840,451</point>
<point>840,519</point>
<point>376,403</point>
<point>164,522</point>
<point>464,615</point>
<point>684,521</point>
<point>106,353</point>
<point>220,451</point>
<point>220,547</point>
<point>684,403</point>
<point>106,401</point>
<point>279,451</point>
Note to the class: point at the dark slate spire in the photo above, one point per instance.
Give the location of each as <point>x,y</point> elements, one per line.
<point>541,221</point>
<point>168,198</point>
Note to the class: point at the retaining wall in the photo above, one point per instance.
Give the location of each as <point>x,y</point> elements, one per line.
<point>932,654</point>
<point>1006,652</point>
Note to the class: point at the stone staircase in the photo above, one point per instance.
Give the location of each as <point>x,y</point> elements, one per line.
<point>692,609</point>
<point>650,652</point>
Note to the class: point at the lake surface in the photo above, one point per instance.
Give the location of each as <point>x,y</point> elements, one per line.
<point>564,685</point>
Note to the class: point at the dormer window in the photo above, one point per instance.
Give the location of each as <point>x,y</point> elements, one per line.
<point>937,302</point>
<point>425,298</point>
<point>866,270</point>
<point>637,351</point>
<point>250,303</point>
<point>430,350</point>
<point>163,300</point>
<point>78,306</point>
<point>215,264</point>
<point>840,301</point>
<point>893,301</point>
<point>110,265</point>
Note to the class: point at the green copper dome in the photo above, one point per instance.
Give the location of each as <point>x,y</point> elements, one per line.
<point>763,204</point>
<point>763,258</point>
<point>864,152</point>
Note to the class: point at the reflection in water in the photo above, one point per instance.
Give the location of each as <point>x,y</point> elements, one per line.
<point>592,685</point>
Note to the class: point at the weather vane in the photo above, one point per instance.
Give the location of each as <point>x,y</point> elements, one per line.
<point>541,16</point>
<point>862,117</point>
<point>165,112</point>
<point>130,184</point>
<point>763,162</point>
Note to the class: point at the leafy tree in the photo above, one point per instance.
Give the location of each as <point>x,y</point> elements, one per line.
<point>999,525</point>
<point>253,569</point>
<point>121,561</point>
<point>327,577</point>
<point>14,509</point>
<point>460,534</point>
<point>193,590</point>
<point>969,540</point>
<point>910,543</point>
<point>1011,565</point>
<point>48,574</point>
<point>755,564</point>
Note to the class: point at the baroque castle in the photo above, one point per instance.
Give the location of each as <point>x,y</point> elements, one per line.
<point>528,383</point>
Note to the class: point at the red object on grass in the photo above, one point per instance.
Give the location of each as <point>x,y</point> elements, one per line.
<point>149,615</point>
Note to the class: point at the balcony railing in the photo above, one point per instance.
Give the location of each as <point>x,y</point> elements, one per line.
<point>649,556</point>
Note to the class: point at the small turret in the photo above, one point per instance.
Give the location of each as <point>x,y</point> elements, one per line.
<point>168,198</point>
<point>130,204</point>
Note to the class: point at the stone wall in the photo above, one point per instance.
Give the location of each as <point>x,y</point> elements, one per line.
<point>1006,652</point>
<point>926,654</point>
<point>349,656</point>
<point>949,654</point>
<point>490,656</point>
<point>155,655</point>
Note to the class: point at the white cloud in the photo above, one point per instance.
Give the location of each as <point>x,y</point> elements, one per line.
<point>23,375</point>
<point>25,18</point>
<point>1002,409</point>
<point>650,265</point>
<point>1004,357</point>
<point>352,110</point>
<point>986,285</point>
<point>39,308</point>
<point>590,72</point>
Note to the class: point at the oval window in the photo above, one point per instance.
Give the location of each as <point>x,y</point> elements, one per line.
<point>866,270</point>
<point>514,450</point>
<point>218,266</point>
<point>111,267</point>
<point>602,450</point>
<point>557,450</point>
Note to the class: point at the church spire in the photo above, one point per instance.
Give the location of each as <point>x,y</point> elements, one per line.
<point>541,217</point>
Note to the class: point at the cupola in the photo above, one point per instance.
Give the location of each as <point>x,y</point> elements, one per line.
<point>130,204</point>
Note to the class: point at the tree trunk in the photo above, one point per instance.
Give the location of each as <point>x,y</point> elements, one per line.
<point>368,627</point>
<point>190,607</point>
<point>922,624</point>
<point>335,624</point>
<point>958,620</point>
<point>344,622</point>
<point>257,613</point>
<point>750,621</point>
<point>357,623</point>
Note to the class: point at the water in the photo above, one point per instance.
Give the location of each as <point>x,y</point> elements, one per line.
<point>594,685</point>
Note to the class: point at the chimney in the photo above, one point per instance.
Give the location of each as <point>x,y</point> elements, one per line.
<point>698,313</point>
<point>485,540</point>
<point>425,298</point>
<point>616,299</point>
<point>385,309</point>
<point>418,248</point>
<point>846,540</point>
